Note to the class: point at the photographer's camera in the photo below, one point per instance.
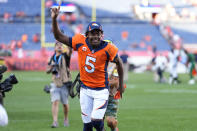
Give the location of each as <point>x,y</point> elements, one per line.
<point>5,86</point>
<point>55,69</point>
<point>8,83</point>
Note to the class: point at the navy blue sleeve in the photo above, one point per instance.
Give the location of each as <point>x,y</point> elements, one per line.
<point>115,58</point>
<point>70,42</point>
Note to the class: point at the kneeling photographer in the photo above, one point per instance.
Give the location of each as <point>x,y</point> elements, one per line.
<point>58,66</point>
<point>5,86</point>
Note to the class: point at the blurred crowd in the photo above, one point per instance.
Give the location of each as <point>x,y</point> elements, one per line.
<point>167,13</point>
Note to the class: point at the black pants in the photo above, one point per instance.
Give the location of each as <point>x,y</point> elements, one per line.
<point>160,73</point>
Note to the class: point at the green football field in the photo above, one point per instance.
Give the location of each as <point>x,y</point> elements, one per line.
<point>146,105</point>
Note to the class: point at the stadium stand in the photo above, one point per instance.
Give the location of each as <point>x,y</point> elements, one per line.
<point>14,31</point>
<point>187,37</point>
<point>136,29</point>
<point>103,13</point>
<point>136,34</point>
<point>174,3</point>
<point>29,7</point>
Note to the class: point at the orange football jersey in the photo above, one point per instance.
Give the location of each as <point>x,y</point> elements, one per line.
<point>93,62</point>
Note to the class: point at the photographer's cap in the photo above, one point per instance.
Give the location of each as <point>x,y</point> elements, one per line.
<point>94,25</point>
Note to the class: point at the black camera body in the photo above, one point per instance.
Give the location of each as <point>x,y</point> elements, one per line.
<point>8,83</point>
<point>55,69</point>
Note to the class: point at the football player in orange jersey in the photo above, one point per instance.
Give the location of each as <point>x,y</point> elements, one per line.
<point>93,57</point>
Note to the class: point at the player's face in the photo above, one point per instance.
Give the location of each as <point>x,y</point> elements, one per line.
<point>58,47</point>
<point>94,37</point>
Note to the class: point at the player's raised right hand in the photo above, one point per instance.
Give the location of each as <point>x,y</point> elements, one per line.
<point>55,12</point>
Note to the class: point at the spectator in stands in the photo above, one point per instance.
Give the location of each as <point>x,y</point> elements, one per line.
<point>134,45</point>
<point>63,17</point>
<point>13,45</point>
<point>19,44</point>
<point>154,48</point>
<point>7,17</point>
<point>73,18</point>
<point>43,52</point>
<point>48,3</point>
<point>156,19</point>
<point>142,44</point>
<point>124,35</point>
<point>124,56</point>
<point>149,48</point>
<point>20,14</point>
<point>59,67</point>
<point>36,38</point>
<point>20,53</point>
<point>147,38</point>
<point>24,38</point>
<point>166,32</point>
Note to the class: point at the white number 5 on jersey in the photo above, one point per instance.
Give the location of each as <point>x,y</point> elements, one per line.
<point>88,59</point>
